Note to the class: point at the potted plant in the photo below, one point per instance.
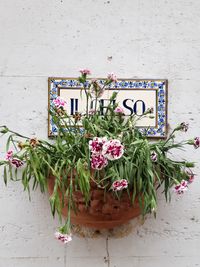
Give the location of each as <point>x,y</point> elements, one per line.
<point>100,170</point>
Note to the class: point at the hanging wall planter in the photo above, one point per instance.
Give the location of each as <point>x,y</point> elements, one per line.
<point>104,210</point>
<point>100,169</point>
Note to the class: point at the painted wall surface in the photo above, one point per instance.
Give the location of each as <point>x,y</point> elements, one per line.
<point>135,39</point>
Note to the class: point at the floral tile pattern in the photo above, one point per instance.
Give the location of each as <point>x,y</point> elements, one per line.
<point>160,131</point>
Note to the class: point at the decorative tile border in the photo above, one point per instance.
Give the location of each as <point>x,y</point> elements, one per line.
<point>160,131</point>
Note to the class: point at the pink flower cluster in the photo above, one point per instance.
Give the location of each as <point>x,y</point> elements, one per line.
<point>112,77</point>
<point>59,102</point>
<point>119,111</point>
<point>181,188</point>
<point>64,238</point>
<point>119,184</point>
<point>85,71</point>
<point>17,163</point>
<point>98,161</point>
<point>103,150</point>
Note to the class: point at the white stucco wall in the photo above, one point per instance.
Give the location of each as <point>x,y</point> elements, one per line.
<point>146,39</point>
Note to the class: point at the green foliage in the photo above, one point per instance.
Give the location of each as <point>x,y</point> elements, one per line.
<point>67,158</point>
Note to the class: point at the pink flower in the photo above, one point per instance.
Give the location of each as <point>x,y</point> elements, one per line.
<point>184,126</point>
<point>120,184</point>
<point>85,72</point>
<point>113,149</point>
<point>98,162</point>
<point>117,185</point>
<point>59,102</point>
<point>124,183</point>
<point>119,110</point>
<point>190,176</point>
<point>154,156</point>
<point>191,179</point>
<point>112,77</point>
<point>181,188</point>
<point>17,163</point>
<point>9,155</point>
<point>64,238</point>
<point>96,144</point>
<point>196,142</point>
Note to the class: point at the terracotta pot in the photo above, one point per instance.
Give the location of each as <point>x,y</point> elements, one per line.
<point>104,210</point>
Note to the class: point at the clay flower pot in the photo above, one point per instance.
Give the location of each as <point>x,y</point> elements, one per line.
<point>104,211</point>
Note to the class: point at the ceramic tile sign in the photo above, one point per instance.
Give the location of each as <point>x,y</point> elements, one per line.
<point>135,96</point>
